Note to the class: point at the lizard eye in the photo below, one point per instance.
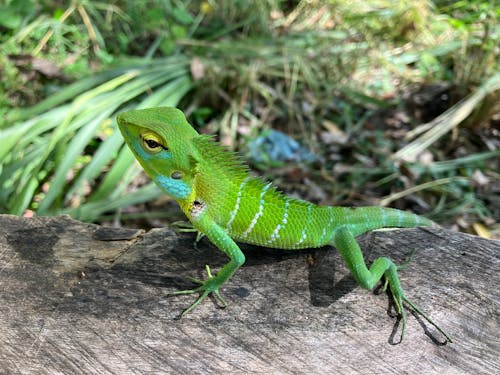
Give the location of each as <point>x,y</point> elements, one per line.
<point>151,142</point>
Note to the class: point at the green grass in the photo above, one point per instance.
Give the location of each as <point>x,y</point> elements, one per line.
<point>238,68</point>
<point>44,167</point>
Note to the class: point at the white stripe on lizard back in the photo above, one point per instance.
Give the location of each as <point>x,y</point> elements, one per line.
<point>276,232</point>
<point>367,219</point>
<point>383,216</point>
<point>327,228</point>
<point>303,234</point>
<point>234,212</point>
<point>258,214</point>
<point>400,218</point>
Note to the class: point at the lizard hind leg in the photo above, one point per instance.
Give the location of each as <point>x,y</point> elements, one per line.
<point>346,244</point>
<point>398,296</point>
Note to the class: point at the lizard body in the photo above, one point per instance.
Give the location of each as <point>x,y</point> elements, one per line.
<point>224,202</point>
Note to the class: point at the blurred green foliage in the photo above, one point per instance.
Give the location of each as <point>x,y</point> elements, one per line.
<point>234,67</point>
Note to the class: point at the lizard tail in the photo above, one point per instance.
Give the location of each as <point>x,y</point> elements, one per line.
<point>363,219</point>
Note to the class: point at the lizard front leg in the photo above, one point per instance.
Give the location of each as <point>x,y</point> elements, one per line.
<point>212,284</point>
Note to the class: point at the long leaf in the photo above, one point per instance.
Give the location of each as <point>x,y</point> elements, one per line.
<point>74,149</point>
<point>117,171</point>
<point>447,121</point>
<point>92,210</point>
<point>104,154</point>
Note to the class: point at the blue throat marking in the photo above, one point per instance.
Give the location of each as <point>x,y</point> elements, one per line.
<point>177,189</point>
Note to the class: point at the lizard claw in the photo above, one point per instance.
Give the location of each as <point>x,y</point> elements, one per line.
<point>210,285</point>
<point>423,315</point>
<point>399,298</point>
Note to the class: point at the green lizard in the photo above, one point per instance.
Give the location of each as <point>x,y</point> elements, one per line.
<point>224,202</point>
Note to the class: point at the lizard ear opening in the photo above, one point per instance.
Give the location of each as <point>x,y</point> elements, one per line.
<point>152,142</point>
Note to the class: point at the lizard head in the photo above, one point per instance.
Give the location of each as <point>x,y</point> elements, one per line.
<point>160,139</point>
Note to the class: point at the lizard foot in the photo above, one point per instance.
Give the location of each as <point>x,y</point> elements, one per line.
<point>399,298</point>
<point>210,285</point>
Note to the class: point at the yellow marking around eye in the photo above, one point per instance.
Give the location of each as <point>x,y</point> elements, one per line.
<point>148,139</point>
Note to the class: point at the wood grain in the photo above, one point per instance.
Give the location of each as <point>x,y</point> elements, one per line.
<point>77,298</point>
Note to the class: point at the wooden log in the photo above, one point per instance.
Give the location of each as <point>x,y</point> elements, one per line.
<point>78,298</point>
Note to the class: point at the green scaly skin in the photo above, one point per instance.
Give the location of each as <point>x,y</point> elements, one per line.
<point>221,199</point>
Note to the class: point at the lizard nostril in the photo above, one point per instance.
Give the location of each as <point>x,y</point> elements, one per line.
<point>176,175</point>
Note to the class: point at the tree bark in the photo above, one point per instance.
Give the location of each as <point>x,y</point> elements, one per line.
<point>77,298</point>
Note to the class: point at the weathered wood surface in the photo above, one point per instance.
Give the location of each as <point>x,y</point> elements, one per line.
<point>75,301</point>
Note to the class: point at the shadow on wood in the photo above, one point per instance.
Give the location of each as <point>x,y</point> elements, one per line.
<point>78,298</point>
